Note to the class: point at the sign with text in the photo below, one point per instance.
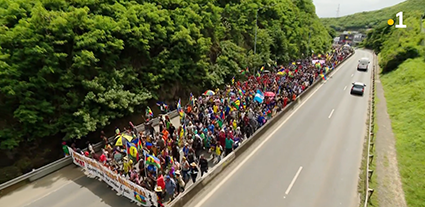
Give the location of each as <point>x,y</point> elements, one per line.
<point>119,183</point>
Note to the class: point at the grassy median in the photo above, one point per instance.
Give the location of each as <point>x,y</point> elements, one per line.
<point>405,95</point>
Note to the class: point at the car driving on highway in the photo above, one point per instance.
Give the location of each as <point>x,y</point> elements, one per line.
<point>358,88</point>
<point>363,64</point>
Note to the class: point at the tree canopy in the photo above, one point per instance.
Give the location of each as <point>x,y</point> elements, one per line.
<point>70,67</point>
<point>396,45</point>
<point>365,20</point>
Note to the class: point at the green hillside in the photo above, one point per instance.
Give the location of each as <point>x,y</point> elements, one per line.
<point>402,60</point>
<point>370,19</point>
<point>71,67</point>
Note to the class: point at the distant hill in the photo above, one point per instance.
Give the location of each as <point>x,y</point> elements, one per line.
<point>364,20</point>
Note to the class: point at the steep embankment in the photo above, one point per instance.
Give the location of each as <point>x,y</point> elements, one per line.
<point>365,20</point>
<point>402,61</point>
<point>69,68</point>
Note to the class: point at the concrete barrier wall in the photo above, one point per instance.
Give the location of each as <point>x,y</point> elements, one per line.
<point>193,190</point>
<point>63,162</point>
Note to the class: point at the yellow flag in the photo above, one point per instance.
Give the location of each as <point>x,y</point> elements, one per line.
<point>119,142</point>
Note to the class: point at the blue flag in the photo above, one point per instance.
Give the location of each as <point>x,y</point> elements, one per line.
<point>259,97</point>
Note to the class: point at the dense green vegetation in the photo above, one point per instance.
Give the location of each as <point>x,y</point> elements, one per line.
<point>402,60</point>
<point>70,67</point>
<point>364,20</point>
<point>396,45</point>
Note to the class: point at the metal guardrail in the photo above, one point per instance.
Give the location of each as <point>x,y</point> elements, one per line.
<point>369,191</point>
<point>65,161</point>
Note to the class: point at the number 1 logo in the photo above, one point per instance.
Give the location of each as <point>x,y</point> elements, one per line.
<point>400,20</point>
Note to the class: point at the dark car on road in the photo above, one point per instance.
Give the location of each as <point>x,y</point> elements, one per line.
<point>357,88</point>
<point>363,64</point>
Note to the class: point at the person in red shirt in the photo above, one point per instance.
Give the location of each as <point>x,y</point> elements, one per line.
<point>102,158</point>
<point>160,181</point>
<point>285,101</point>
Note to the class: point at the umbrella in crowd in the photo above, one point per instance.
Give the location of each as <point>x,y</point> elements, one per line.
<point>209,93</point>
<point>120,137</point>
<point>269,94</point>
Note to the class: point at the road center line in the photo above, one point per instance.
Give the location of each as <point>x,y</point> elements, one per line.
<point>258,147</point>
<point>345,88</point>
<point>293,180</point>
<point>330,115</point>
<point>352,75</point>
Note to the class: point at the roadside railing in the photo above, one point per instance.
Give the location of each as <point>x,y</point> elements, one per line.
<point>65,161</point>
<point>370,144</point>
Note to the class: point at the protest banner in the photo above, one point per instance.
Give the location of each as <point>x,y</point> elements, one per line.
<point>119,183</point>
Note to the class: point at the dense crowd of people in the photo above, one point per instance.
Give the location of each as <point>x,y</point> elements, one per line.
<point>218,121</point>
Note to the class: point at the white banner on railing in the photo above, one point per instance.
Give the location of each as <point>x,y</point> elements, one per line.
<point>120,184</point>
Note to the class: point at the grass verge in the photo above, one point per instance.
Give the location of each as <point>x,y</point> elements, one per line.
<point>404,92</point>
<point>362,176</point>
<point>363,166</point>
<point>373,183</point>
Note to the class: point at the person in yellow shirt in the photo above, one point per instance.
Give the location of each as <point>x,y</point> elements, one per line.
<point>128,165</point>
<point>218,151</point>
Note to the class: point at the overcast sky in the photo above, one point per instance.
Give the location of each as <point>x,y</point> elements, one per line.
<point>328,8</point>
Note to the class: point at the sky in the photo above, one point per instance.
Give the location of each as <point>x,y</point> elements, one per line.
<point>328,8</point>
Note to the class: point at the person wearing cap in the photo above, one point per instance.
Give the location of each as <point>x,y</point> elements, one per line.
<point>180,183</point>
<point>194,171</point>
<point>158,191</point>
<point>170,187</point>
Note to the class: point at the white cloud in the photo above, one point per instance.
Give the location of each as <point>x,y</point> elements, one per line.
<point>328,8</point>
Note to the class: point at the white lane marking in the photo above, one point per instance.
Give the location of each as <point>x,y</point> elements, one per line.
<point>293,180</point>
<point>352,75</point>
<point>345,88</point>
<point>60,187</point>
<point>330,115</point>
<point>228,176</point>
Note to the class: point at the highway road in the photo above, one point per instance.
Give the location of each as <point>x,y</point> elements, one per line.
<point>68,187</point>
<point>312,156</point>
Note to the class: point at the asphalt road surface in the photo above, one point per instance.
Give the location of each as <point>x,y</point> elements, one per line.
<point>68,187</point>
<point>310,159</point>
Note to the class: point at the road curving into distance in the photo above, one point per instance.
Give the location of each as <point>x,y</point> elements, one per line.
<point>311,158</point>
<point>320,144</point>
